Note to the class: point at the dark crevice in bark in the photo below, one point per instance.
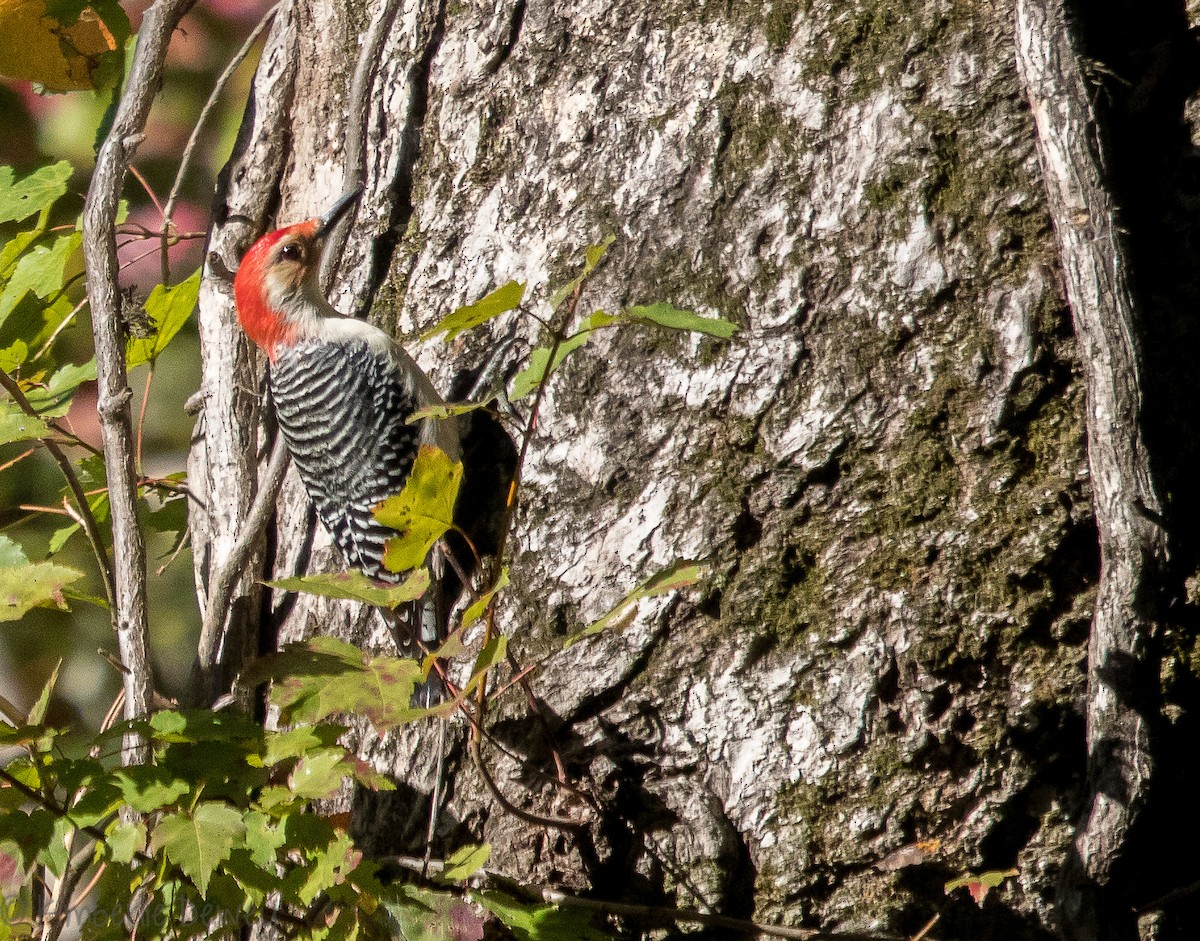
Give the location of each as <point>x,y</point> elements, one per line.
<point>1151,73</point>
<point>516,20</point>
<point>401,190</point>
<point>592,706</point>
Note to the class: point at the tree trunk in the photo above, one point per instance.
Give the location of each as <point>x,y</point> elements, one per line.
<point>883,681</point>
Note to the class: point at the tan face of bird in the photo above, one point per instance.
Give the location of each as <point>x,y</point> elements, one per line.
<point>276,285</point>
<point>291,264</point>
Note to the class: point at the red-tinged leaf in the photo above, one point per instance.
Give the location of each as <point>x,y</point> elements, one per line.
<point>11,875</point>
<point>466,924</point>
<point>979,884</point>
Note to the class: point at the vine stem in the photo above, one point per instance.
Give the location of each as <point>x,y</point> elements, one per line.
<point>1122,658</point>
<point>129,616</point>
<point>655,913</point>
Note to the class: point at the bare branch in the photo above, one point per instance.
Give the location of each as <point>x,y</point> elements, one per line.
<point>114,394</point>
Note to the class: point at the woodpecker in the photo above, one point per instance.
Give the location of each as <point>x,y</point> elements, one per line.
<point>343,390</point>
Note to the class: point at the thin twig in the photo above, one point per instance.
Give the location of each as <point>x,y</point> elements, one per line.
<point>928,927</point>
<point>214,96</point>
<point>562,823</point>
<point>141,422</point>
<point>656,913</point>
<point>90,526</point>
<point>510,514</point>
<point>55,920</point>
<point>66,321</point>
<point>100,258</point>
<point>691,916</point>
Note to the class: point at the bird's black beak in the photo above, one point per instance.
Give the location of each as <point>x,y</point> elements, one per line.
<point>336,211</point>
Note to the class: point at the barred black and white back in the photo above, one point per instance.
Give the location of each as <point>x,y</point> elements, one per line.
<point>342,402</point>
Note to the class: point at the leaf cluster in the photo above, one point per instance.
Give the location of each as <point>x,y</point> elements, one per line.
<point>41,298</point>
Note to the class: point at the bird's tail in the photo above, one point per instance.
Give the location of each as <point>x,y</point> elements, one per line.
<point>414,642</point>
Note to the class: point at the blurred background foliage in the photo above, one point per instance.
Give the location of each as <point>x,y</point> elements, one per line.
<point>39,126</point>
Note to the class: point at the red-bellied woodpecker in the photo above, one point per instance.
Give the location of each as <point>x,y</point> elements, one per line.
<point>343,390</point>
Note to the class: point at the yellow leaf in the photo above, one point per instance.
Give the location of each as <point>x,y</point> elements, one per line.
<point>38,48</point>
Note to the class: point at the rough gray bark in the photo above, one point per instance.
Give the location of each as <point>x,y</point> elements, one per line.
<point>224,459</point>
<point>885,471</point>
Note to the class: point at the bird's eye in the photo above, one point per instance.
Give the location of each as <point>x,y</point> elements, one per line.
<point>291,252</point>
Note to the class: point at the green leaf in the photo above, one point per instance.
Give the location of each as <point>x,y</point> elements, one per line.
<point>147,788</point>
<point>54,856</point>
<point>31,831</point>
<point>40,270</point>
<point>540,367</point>
<point>168,310</point>
<point>324,676</point>
<point>320,773</point>
<point>600,319</point>
<point>355,586</point>
<point>465,861</point>
<point>200,841</point>
<point>263,839</point>
<point>15,425</point>
<point>299,740</point>
<point>15,247</point>
<point>444,411</point>
<point>423,511</point>
<point>25,584</point>
<point>665,315</point>
<point>475,611</point>
<point>170,517</point>
<point>591,258</point>
<point>489,655</point>
<point>326,865</point>
<point>678,574</point>
<point>13,356</point>
<point>53,400</point>
<point>500,301</point>
<point>534,921</point>
<point>594,253</point>
<point>125,841</point>
<point>37,715</point>
<point>34,193</point>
